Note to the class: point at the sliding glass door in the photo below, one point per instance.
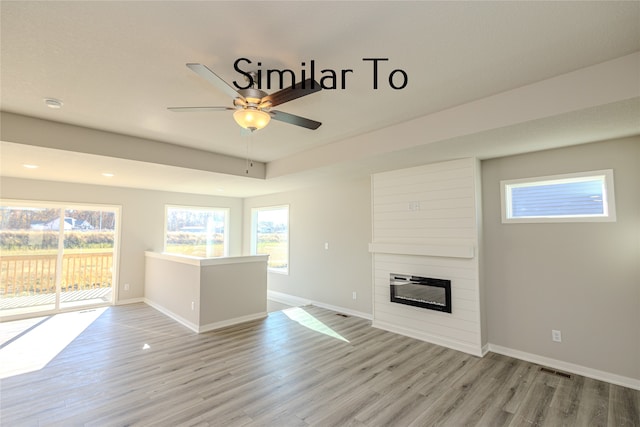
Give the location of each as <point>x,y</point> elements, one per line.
<point>29,259</point>
<point>87,261</point>
<point>56,257</point>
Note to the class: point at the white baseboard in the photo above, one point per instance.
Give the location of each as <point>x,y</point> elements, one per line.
<point>343,310</point>
<point>568,367</point>
<point>297,302</point>
<point>130,301</point>
<point>225,323</point>
<point>169,313</point>
<point>287,299</point>
<point>422,336</point>
<point>485,350</point>
<point>208,327</point>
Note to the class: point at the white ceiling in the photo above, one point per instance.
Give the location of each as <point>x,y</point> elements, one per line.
<point>118,65</point>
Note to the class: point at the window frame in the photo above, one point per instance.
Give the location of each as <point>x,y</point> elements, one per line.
<point>197,208</point>
<point>608,197</point>
<point>254,235</point>
<point>63,206</point>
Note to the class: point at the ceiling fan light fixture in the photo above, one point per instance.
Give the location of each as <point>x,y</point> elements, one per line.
<point>252,119</point>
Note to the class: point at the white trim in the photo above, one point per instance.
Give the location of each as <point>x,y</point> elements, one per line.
<point>208,327</point>
<point>204,262</point>
<point>287,299</point>
<point>299,302</point>
<point>115,274</point>
<point>422,336</point>
<point>434,250</point>
<point>609,203</point>
<point>343,310</point>
<point>232,322</point>
<point>485,349</point>
<point>169,313</point>
<point>129,301</point>
<point>568,367</point>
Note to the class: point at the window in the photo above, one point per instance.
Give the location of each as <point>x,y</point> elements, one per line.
<point>577,197</point>
<point>194,231</point>
<point>56,256</point>
<point>270,235</point>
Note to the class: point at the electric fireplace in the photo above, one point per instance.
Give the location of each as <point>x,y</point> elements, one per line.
<point>425,292</point>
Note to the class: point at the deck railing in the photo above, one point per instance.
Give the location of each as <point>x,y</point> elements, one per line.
<point>22,275</point>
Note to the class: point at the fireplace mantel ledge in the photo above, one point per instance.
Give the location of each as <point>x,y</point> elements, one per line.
<point>434,250</point>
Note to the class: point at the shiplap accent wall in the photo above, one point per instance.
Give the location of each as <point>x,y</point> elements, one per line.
<point>426,222</point>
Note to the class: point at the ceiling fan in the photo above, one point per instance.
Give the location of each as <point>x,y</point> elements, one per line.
<point>253,106</point>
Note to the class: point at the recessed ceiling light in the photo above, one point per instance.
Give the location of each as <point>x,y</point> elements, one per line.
<point>108,174</point>
<point>30,166</point>
<point>53,103</point>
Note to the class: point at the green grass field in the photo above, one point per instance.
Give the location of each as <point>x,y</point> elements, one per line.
<point>278,253</point>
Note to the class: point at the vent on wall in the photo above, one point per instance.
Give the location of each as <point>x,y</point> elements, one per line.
<point>554,372</point>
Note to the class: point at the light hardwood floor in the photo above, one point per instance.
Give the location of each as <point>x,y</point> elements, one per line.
<point>313,367</point>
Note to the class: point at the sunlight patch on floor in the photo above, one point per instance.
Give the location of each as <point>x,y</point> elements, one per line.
<point>299,315</point>
<point>32,349</point>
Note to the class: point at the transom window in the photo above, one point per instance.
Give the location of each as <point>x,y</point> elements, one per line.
<point>577,197</point>
<point>196,231</point>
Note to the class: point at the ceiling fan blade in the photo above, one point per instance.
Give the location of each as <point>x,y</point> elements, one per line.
<point>294,120</point>
<point>193,109</point>
<point>296,91</point>
<point>214,79</point>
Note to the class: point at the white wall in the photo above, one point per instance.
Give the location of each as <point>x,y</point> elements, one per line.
<point>207,294</point>
<point>580,278</point>
<point>338,214</point>
<point>142,219</point>
<point>172,287</point>
<point>425,223</point>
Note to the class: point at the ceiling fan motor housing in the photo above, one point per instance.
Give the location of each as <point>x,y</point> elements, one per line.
<point>251,98</point>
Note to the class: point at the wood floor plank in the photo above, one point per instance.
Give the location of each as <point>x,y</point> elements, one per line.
<point>400,406</point>
<point>565,403</point>
<point>534,409</point>
<point>135,366</point>
<point>624,407</point>
<point>482,393</point>
<point>519,387</point>
<point>594,404</point>
<point>455,401</point>
<point>500,411</point>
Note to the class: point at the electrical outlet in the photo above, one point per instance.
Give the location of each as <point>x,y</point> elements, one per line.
<point>556,335</point>
<point>126,286</point>
<point>326,245</point>
<point>193,305</point>
<point>354,295</point>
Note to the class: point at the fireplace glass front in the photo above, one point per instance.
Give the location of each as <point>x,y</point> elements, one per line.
<point>425,292</point>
